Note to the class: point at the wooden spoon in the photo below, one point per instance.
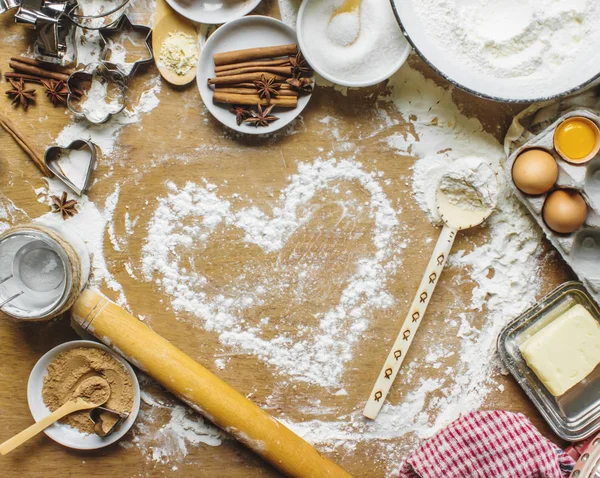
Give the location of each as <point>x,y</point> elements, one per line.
<point>349,6</point>
<point>91,393</point>
<point>455,219</point>
<point>167,21</point>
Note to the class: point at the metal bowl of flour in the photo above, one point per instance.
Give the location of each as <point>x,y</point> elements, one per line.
<point>582,73</point>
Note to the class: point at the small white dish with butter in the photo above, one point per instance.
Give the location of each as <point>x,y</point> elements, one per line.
<point>553,351</point>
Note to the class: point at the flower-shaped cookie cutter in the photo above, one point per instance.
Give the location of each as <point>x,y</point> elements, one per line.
<point>91,87</point>
<point>124,25</point>
<point>53,155</point>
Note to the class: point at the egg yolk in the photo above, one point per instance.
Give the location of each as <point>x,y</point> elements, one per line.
<point>575,138</point>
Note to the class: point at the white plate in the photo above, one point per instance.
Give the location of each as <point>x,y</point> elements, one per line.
<point>584,70</point>
<point>393,66</point>
<point>213,11</point>
<point>64,434</point>
<point>248,32</point>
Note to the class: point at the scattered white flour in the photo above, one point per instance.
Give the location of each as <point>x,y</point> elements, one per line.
<point>179,52</point>
<point>503,270</point>
<point>343,29</point>
<point>165,427</point>
<point>102,99</point>
<point>470,184</point>
<point>317,358</point>
<point>379,43</point>
<point>514,39</point>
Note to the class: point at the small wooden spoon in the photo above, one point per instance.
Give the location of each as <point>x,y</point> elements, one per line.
<point>91,393</point>
<point>455,218</point>
<point>167,21</point>
<point>349,6</point>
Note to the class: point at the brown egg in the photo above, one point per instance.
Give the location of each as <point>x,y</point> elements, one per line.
<point>535,171</point>
<point>564,211</point>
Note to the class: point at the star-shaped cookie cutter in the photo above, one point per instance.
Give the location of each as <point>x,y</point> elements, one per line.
<point>123,25</point>
<point>83,80</point>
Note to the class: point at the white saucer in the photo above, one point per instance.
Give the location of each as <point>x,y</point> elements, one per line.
<point>213,11</point>
<point>248,32</point>
<point>64,434</point>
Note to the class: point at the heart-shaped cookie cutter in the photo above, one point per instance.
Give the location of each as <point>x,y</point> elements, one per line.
<point>77,82</point>
<point>53,154</point>
<point>96,417</point>
<point>124,24</point>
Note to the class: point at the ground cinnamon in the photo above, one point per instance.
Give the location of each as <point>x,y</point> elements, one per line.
<point>249,54</point>
<point>70,368</point>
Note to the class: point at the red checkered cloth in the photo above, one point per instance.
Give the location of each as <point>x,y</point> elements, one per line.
<point>491,444</point>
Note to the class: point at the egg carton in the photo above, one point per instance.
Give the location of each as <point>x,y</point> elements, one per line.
<point>580,249</point>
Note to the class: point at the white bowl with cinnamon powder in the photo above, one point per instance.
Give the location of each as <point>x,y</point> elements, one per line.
<point>58,372</point>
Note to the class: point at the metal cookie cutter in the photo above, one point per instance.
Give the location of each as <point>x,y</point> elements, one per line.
<point>124,25</point>
<point>97,79</point>
<point>54,153</point>
<point>50,18</point>
<point>96,416</point>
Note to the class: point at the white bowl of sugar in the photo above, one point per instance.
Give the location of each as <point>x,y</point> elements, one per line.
<point>357,48</point>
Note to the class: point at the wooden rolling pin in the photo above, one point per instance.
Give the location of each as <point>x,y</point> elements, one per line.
<point>200,389</point>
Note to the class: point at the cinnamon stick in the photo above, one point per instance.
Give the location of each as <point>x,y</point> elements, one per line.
<point>232,80</point>
<point>235,66</point>
<point>250,91</point>
<point>24,76</point>
<point>277,70</point>
<point>249,54</point>
<point>250,100</point>
<point>25,146</point>
<point>34,70</point>
<point>43,65</point>
<point>282,86</point>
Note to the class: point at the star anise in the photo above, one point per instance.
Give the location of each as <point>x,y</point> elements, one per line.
<point>302,85</point>
<point>56,91</point>
<point>262,117</point>
<point>66,208</point>
<point>21,96</point>
<point>300,66</point>
<point>240,113</point>
<point>267,87</point>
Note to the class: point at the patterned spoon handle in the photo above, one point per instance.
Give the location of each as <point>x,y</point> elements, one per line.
<point>411,323</point>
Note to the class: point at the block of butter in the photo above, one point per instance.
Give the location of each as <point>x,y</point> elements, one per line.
<point>564,352</point>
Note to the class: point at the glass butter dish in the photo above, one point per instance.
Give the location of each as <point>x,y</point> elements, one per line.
<point>575,415</point>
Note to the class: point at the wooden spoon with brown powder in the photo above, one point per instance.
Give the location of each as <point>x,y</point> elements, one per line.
<point>91,393</point>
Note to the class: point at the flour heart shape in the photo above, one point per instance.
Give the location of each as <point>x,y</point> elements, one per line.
<point>185,222</point>
<point>73,165</point>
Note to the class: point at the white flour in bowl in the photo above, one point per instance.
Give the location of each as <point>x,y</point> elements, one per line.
<point>514,38</point>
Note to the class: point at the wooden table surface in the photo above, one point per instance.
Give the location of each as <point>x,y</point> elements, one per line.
<point>257,169</point>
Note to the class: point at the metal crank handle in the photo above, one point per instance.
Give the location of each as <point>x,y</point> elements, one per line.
<point>411,323</point>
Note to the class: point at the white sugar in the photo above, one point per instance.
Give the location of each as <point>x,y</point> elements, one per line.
<point>379,41</point>
<point>343,29</point>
